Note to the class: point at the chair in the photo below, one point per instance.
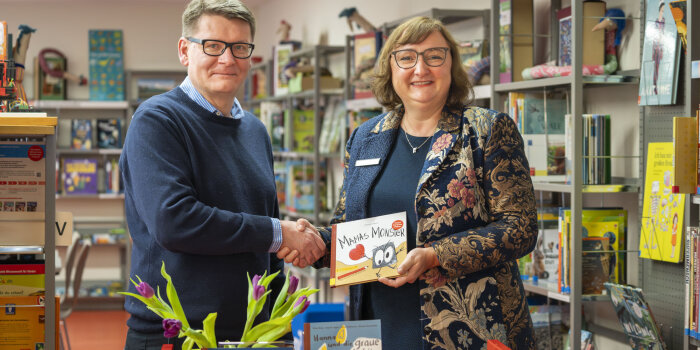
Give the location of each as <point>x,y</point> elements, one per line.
<point>73,280</point>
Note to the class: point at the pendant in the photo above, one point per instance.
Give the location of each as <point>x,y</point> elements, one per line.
<point>414,150</point>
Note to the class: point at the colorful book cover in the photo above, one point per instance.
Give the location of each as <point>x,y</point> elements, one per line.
<point>658,80</point>
<point>343,335</point>
<point>109,133</point>
<point>680,15</point>
<point>3,40</point>
<point>81,134</point>
<point>303,120</point>
<point>364,250</point>
<point>106,65</point>
<point>280,56</point>
<point>366,48</point>
<point>662,213</point>
<point>564,17</point>
<point>80,176</point>
<point>504,48</point>
<point>636,317</point>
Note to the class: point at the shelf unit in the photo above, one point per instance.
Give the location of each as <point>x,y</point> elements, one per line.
<point>44,127</point>
<point>320,57</point>
<point>576,84</point>
<point>94,213</point>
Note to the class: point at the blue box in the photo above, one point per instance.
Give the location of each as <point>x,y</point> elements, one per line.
<point>315,313</point>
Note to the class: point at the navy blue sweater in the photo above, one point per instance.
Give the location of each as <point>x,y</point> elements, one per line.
<point>199,194</point>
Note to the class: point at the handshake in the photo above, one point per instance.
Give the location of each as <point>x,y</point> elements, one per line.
<point>301,243</point>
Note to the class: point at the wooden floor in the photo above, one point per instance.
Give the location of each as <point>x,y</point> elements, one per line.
<point>104,330</point>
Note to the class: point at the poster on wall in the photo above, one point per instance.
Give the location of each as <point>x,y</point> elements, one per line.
<point>281,54</point>
<point>106,65</point>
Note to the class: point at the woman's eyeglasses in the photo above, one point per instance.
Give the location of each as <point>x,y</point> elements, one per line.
<point>408,58</point>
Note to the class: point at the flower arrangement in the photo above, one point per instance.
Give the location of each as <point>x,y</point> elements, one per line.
<point>289,303</point>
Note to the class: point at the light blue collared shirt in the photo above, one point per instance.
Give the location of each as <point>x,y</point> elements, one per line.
<point>237,112</point>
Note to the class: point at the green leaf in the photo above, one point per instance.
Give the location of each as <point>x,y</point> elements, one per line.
<point>209,331</point>
<point>187,345</point>
<point>174,299</point>
<point>265,327</point>
<point>280,297</point>
<point>265,281</point>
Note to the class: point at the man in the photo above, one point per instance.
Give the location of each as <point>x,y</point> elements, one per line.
<point>199,184</point>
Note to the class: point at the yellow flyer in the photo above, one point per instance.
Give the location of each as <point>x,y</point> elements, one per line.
<point>662,214</point>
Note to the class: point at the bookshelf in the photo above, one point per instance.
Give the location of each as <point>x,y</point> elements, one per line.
<point>44,128</point>
<point>578,89</point>
<point>100,211</point>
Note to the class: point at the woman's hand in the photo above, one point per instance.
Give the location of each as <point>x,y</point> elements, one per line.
<point>417,262</point>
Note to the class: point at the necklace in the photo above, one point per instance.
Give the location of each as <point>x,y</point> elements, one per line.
<point>415,148</point>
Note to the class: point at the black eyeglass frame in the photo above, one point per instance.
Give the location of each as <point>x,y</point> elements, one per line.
<point>443,49</point>
<point>226,46</point>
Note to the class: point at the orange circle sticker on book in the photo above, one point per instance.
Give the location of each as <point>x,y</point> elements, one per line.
<point>397,224</point>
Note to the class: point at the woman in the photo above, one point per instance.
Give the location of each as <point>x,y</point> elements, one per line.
<point>461,175</point>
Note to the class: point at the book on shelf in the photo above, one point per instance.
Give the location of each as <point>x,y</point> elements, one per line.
<point>109,133</point>
<point>685,155</point>
<point>3,40</point>
<point>365,250</point>
<point>300,186</point>
<point>679,10</point>
<point>280,169</point>
<point>332,126</point>
<point>663,210</point>
<point>547,326</point>
<point>356,118</point>
<point>691,281</point>
<point>516,39</point>
<point>106,64</point>
<point>595,264</point>
<point>81,134</point>
<point>112,179</point>
<point>541,120</point>
<point>79,176</point>
<point>365,50</point>
<point>636,317</point>
<point>658,75</point>
<point>608,223</point>
<point>593,43</point>
<point>272,114</point>
<point>280,54</point>
<point>303,130</point>
<point>596,163</point>
<point>545,256</point>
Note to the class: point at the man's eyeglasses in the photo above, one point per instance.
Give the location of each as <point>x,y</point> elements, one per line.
<point>408,58</point>
<point>217,47</point>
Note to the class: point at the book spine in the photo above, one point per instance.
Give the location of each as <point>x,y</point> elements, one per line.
<point>687,277</point>
<point>334,249</point>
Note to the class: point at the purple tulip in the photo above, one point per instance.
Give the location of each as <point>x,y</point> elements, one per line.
<point>256,279</point>
<point>172,327</point>
<point>145,290</point>
<point>302,300</point>
<point>258,292</point>
<point>293,284</point>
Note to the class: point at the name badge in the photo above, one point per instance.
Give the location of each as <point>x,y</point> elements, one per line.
<point>366,162</point>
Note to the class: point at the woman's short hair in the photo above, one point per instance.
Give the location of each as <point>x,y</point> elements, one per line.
<point>230,9</point>
<point>413,31</point>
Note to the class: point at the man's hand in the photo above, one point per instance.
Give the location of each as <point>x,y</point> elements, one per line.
<point>417,262</point>
<point>301,243</point>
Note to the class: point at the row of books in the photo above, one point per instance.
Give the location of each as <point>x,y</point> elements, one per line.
<point>295,186</point>
<point>692,281</point>
<point>88,175</point>
<point>87,134</point>
<point>603,242</point>
<point>300,124</point>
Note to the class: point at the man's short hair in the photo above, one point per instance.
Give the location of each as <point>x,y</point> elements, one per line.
<point>230,9</point>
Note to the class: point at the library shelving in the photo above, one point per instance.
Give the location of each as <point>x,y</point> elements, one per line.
<point>43,128</point>
<point>98,210</point>
<point>575,86</point>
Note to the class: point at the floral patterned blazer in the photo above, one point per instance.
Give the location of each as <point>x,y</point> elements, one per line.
<point>475,206</point>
